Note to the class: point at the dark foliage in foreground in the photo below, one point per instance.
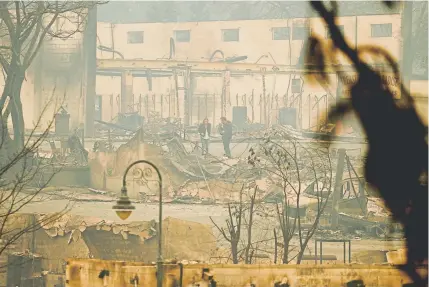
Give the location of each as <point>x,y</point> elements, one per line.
<point>397,157</point>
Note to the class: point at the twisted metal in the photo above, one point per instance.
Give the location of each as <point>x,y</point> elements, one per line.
<point>141,176</point>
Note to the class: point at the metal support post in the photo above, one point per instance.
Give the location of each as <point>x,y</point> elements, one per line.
<point>126,92</point>
<point>124,205</point>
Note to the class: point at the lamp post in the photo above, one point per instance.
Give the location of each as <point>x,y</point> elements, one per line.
<point>124,208</point>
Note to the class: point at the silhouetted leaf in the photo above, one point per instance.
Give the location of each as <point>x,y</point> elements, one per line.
<point>315,60</point>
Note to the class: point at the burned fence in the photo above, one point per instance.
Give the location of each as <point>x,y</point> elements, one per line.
<point>300,111</point>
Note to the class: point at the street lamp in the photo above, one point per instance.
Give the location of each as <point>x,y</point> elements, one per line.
<point>124,208</point>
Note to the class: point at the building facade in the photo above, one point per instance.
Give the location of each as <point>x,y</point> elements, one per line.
<point>208,35</point>
<point>275,42</point>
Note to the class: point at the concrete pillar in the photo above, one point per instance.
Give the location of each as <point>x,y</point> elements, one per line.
<point>127,92</point>
<point>90,51</point>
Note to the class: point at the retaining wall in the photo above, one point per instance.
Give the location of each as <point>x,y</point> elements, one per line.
<point>85,273</point>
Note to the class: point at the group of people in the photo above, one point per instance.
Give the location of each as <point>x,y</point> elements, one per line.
<point>225,129</point>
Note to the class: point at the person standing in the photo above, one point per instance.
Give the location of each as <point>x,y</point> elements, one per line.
<point>226,131</point>
<point>205,130</point>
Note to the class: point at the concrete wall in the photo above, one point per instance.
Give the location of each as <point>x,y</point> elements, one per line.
<point>107,169</point>
<point>86,237</point>
<point>51,84</point>
<point>83,273</point>
<point>54,78</point>
<point>255,38</point>
<point>55,250</point>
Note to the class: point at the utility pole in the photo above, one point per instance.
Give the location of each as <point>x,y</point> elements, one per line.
<point>90,52</point>
<point>338,187</point>
<point>407,42</point>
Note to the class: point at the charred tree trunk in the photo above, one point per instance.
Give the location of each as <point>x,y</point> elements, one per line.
<point>275,246</point>
<point>285,259</point>
<point>18,122</point>
<point>12,91</point>
<point>234,251</point>
<point>250,226</point>
<point>232,233</point>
